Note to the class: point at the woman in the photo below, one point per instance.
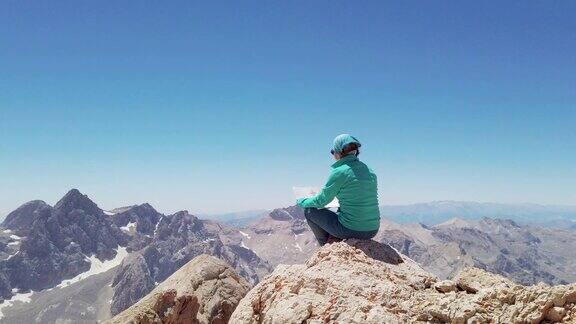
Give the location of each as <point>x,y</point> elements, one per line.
<point>355,186</point>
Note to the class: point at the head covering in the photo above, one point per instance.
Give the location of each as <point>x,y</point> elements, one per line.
<point>342,141</point>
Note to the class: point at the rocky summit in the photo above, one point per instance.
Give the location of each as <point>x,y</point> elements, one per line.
<point>369,282</point>
<point>205,290</point>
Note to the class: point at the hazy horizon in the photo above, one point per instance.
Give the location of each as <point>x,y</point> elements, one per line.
<point>224,212</point>
<point>215,107</point>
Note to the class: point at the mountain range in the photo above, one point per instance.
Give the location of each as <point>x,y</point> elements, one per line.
<point>76,262</point>
<point>47,252</point>
<point>436,212</point>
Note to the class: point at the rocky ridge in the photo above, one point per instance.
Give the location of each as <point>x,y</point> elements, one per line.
<point>369,282</point>
<point>205,290</point>
<point>47,248</point>
<point>525,254</point>
<point>177,239</point>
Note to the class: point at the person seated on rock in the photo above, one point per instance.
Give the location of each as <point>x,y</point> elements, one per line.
<point>355,186</point>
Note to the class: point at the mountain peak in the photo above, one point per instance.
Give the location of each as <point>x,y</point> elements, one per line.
<point>23,217</point>
<point>74,199</point>
<point>455,222</point>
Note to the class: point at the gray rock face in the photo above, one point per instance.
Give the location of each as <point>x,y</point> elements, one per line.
<point>53,242</point>
<point>178,238</point>
<point>22,218</point>
<point>205,290</point>
<point>139,222</point>
<point>144,215</point>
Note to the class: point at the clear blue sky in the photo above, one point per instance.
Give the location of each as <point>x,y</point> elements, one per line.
<point>224,106</point>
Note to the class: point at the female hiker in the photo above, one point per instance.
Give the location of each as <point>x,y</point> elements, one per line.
<point>355,186</point>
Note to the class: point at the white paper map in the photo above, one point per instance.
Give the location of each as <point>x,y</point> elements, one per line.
<point>309,192</point>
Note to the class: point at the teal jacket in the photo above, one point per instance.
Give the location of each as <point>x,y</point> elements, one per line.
<point>356,187</point>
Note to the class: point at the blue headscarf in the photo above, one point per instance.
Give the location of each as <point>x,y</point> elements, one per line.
<point>343,140</point>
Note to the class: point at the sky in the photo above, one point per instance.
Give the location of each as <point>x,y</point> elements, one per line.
<point>224,106</point>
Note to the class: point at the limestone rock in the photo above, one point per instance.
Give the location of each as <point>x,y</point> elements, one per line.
<point>205,290</point>
<point>369,282</point>
<point>446,286</point>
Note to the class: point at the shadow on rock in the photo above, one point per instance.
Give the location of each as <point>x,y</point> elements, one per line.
<point>377,251</point>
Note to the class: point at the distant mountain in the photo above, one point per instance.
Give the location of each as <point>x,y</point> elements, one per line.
<point>440,211</point>
<point>282,236</point>
<point>49,244</point>
<point>523,253</point>
<point>48,254</point>
<point>526,254</point>
<point>236,219</point>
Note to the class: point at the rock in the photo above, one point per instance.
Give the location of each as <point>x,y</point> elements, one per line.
<point>556,314</point>
<point>178,238</point>
<point>205,290</point>
<point>348,283</point>
<point>472,280</point>
<point>22,218</point>
<point>340,282</point>
<point>446,286</point>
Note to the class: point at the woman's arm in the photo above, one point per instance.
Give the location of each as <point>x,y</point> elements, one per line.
<point>327,194</point>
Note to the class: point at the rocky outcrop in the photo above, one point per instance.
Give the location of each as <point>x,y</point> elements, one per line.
<point>179,238</point>
<point>205,290</point>
<point>369,282</point>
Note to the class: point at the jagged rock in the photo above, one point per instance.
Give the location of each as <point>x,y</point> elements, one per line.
<point>21,219</point>
<point>446,286</point>
<point>54,242</point>
<point>205,290</point>
<point>144,216</point>
<point>347,283</point>
<point>178,238</point>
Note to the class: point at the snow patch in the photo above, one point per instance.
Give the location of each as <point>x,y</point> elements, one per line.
<point>109,213</point>
<point>24,298</point>
<point>13,255</point>
<point>287,213</point>
<point>244,245</point>
<point>128,228</point>
<point>15,237</point>
<point>245,234</point>
<point>156,227</point>
<point>298,247</point>
<point>7,231</point>
<point>97,266</point>
<point>13,243</point>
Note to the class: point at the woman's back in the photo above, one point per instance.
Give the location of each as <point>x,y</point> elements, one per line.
<point>358,195</point>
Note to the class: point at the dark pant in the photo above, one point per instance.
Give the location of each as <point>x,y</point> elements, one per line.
<point>324,222</point>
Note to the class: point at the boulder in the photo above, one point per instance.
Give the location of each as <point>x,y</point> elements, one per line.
<point>205,290</point>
